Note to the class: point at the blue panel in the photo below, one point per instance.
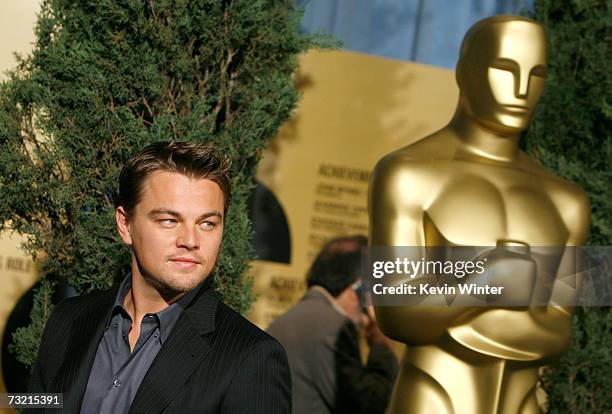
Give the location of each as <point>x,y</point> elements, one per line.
<point>426,31</point>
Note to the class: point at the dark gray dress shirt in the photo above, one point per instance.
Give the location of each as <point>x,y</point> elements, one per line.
<point>117,373</point>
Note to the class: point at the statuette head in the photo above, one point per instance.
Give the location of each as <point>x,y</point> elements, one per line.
<point>501,72</point>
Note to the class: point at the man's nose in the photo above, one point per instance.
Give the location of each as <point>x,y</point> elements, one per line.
<point>188,238</point>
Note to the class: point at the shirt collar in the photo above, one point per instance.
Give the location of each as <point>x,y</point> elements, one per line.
<point>329,298</point>
<point>166,317</point>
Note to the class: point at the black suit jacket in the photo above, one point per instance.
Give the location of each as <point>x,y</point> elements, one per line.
<point>214,360</point>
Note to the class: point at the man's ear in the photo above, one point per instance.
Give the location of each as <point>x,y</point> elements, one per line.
<point>123,225</point>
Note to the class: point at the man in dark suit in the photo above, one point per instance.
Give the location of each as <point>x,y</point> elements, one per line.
<point>162,341</point>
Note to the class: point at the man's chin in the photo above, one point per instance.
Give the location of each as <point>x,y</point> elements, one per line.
<point>173,286</point>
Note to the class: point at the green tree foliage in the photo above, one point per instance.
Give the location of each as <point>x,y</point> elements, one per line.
<point>572,127</point>
<point>105,79</point>
<point>571,134</point>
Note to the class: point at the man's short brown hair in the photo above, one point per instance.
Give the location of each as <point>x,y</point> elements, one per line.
<point>338,264</point>
<point>195,160</point>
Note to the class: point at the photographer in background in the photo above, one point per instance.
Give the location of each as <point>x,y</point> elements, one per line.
<point>320,336</point>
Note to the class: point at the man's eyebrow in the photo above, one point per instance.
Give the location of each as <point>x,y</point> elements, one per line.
<point>212,213</point>
<point>159,211</point>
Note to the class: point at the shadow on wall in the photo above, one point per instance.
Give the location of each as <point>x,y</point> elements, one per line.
<point>271,237</point>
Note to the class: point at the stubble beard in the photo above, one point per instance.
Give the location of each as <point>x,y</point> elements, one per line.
<point>166,286</point>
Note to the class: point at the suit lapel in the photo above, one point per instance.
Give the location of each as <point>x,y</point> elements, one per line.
<point>85,335</point>
<point>184,350</point>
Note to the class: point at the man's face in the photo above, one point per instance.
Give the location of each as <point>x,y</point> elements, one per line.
<point>506,75</point>
<point>175,230</point>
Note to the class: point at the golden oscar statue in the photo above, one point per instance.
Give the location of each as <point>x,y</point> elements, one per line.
<point>469,184</point>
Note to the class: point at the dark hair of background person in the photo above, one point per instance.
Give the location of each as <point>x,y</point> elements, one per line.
<point>338,264</point>
<point>195,160</point>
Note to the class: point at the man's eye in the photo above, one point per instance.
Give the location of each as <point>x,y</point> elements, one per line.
<point>167,222</point>
<point>208,225</point>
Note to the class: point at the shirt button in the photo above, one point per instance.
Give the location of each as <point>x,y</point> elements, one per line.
<point>116,383</point>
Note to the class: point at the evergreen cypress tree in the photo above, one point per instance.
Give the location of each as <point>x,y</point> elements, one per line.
<point>105,79</point>
<point>570,134</point>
